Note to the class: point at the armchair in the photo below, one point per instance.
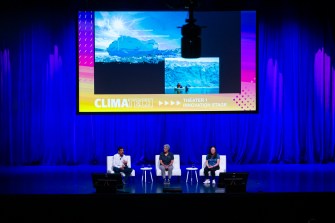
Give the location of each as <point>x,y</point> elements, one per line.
<point>110,160</point>
<point>217,173</point>
<point>176,166</point>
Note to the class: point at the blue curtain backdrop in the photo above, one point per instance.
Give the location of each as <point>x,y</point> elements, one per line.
<point>39,124</point>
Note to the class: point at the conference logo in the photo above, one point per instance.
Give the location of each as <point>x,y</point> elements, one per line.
<point>123,103</point>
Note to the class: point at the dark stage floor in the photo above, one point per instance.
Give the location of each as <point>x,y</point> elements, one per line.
<point>77,179</point>
<point>274,193</point>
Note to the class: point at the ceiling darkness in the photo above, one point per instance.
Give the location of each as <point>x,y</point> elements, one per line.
<point>216,5</point>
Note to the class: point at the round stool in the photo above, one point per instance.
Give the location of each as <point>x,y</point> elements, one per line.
<point>144,173</point>
<point>192,169</point>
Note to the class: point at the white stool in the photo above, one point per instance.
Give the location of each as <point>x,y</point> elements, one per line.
<point>144,173</point>
<point>192,169</point>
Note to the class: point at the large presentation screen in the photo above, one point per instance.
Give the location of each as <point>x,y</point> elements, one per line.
<point>131,61</point>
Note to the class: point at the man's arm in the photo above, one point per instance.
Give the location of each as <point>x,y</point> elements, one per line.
<point>171,163</point>
<point>125,160</point>
<point>160,159</point>
<point>172,160</point>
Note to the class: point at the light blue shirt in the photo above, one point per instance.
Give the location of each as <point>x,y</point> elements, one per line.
<point>212,160</point>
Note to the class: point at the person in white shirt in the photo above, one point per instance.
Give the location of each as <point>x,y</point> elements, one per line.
<point>120,164</point>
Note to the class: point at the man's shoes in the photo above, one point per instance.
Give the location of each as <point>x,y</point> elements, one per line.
<point>207,181</point>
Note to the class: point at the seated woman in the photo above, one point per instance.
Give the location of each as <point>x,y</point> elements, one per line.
<point>212,164</point>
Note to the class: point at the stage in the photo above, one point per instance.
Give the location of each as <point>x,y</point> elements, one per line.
<point>274,193</point>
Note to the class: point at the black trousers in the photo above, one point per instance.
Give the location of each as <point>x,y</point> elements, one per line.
<point>212,171</point>
<point>127,171</point>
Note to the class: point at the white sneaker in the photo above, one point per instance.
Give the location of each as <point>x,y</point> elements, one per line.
<point>213,182</point>
<point>207,181</point>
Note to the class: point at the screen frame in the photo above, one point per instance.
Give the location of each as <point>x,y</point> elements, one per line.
<point>253,111</point>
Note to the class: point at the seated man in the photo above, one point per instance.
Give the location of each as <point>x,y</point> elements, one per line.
<point>166,159</point>
<point>120,164</point>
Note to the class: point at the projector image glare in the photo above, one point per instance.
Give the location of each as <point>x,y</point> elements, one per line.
<point>191,41</point>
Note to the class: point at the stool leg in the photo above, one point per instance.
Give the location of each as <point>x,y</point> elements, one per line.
<point>187,175</point>
<point>151,177</point>
<point>145,176</point>
<point>196,176</point>
<point>142,174</point>
<point>191,176</point>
